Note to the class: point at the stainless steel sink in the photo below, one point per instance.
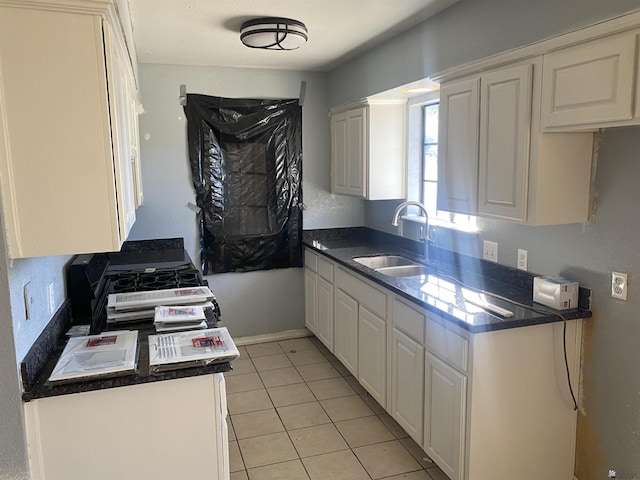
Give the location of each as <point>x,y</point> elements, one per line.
<point>392,265</point>
<point>384,261</point>
<point>403,271</point>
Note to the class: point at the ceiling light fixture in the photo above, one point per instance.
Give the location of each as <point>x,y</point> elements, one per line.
<point>273,33</point>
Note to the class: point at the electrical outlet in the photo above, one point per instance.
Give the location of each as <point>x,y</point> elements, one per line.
<point>522,259</point>
<point>490,251</point>
<point>619,285</point>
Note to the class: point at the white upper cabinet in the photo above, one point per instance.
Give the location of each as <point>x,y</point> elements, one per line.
<point>68,148</point>
<point>505,123</point>
<point>124,144</point>
<point>458,146</point>
<point>591,84</point>
<point>494,162</point>
<point>348,152</point>
<point>515,133</point>
<point>368,149</point>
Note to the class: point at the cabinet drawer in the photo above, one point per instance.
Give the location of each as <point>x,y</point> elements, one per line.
<point>325,269</point>
<point>409,321</point>
<point>364,294</point>
<point>310,260</point>
<point>449,346</point>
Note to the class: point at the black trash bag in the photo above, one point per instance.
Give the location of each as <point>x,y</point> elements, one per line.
<point>246,163</point>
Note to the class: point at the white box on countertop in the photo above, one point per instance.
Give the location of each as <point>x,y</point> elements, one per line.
<point>556,292</point>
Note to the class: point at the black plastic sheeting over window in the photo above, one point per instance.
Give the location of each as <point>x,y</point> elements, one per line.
<point>246,163</point>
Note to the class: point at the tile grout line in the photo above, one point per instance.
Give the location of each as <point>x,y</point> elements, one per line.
<point>331,421</point>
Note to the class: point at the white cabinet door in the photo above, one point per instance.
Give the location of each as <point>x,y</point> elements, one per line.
<point>325,312</point>
<point>444,416</point>
<point>368,149</point>
<point>519,172</point>
<point>119,76</point>
<point>348,152</point>
<point>590,83</point>
<point>372,354</point>
<point>346,331</point>
<point>75,183</point>
<point>311,300</point>
<point>407,380</point>
<point>458,146</point>
<point>132,436</point>
<point>135,142</point>
<point>505,122</point>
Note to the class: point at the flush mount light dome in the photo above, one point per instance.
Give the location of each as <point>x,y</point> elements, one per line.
<point>273,33</point>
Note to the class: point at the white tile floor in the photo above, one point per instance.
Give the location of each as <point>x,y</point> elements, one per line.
<point>297,414</point>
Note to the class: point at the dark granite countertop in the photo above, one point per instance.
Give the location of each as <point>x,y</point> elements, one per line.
<point>38,385</point>
<point>42,357</point>
<point>450,277</point>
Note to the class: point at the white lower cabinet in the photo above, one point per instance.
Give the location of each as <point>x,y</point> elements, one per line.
<point>345,345</point>
<point>491,405</point>
<point>444,416</point>
<point>361,332</point>
<point>372,354</point>
<point>311,300</point>
<point>407,381</point>
<point>318,304</point>
<point>497,404</point>
<point>325,312</point>
<point>125,432</point>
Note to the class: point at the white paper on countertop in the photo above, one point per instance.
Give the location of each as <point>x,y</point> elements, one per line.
<point>107,354</point>
<point>195,347</point>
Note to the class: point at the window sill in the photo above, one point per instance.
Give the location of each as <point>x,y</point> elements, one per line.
<point>436,222</point>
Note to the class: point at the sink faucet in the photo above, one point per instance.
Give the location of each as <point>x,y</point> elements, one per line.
<point>402,206</point>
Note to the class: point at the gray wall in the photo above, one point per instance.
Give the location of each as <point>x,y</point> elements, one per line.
<point>38,272</point>
<point>609,424</point>
<point>467,31</point>
<point>256,302</point>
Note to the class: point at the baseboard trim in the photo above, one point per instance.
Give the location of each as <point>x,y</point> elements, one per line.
<point>272,337</point>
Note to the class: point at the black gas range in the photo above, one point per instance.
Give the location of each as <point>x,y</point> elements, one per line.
<point>141,265</point>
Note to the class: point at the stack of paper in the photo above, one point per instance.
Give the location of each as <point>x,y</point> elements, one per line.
<point>186,317</point>
<point>87,357</point>
<point>193,348</point>
<point>135,306</point>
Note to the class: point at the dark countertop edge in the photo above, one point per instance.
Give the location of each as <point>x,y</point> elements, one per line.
<point>543,315</point>
<point>43,390</point>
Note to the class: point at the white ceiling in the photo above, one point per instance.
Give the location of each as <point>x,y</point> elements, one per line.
<point>206,32</point>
